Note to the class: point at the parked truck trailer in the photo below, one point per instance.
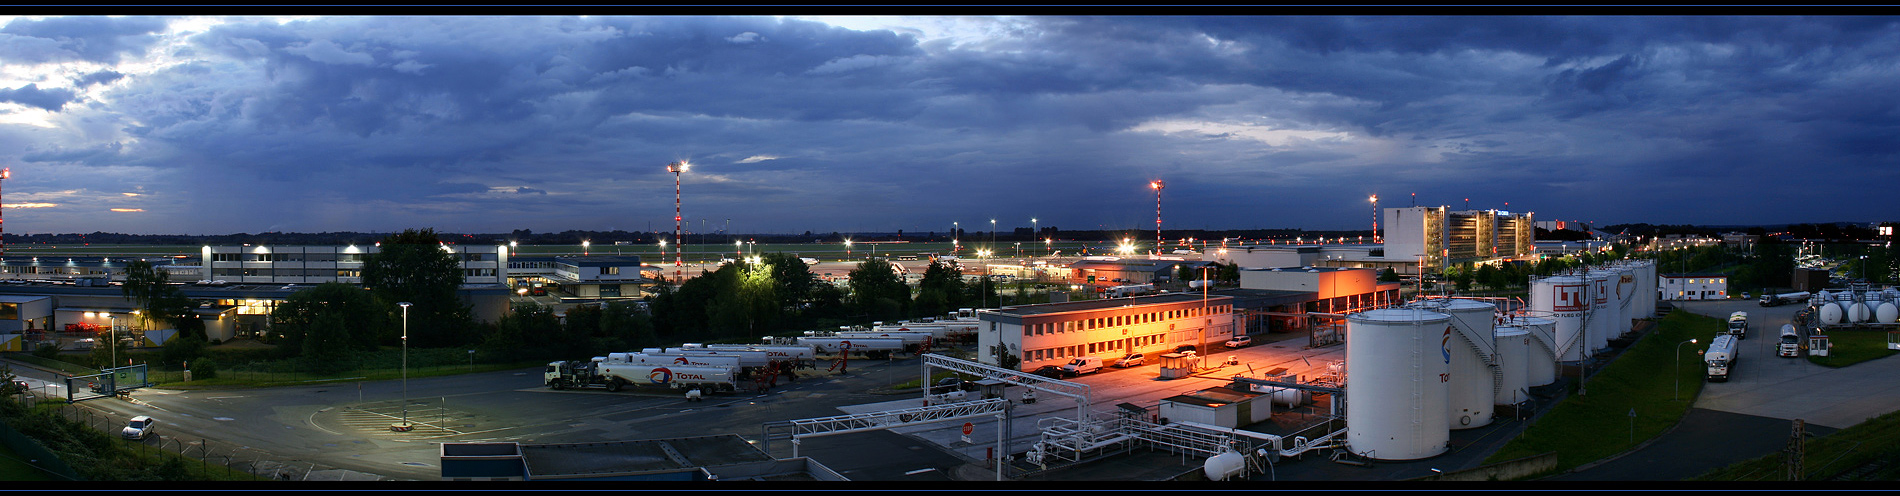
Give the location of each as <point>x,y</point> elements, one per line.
<point>1720,357</point>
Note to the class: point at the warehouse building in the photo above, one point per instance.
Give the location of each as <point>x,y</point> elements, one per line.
<point>1054,333</point>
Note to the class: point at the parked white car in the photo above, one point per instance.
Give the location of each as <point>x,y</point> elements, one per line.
<point>1240,341</point>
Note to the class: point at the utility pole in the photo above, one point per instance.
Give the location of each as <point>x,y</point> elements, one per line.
<point>1797,450</point>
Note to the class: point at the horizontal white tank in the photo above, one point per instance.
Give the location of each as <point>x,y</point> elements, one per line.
<point>1859,313</point>
<point>1514,346</point>
<point>1396,377</point>
<point>1830,313</point>
<point>1887,313</point>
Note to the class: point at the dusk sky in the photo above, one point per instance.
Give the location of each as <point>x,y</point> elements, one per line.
<point>217,125</point>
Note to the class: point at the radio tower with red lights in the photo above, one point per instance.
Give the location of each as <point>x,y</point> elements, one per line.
<point>1156,184</point>
<point>4,174</point>
<point>679,242</point>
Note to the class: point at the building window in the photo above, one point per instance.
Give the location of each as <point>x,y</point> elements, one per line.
<point>609,271</point>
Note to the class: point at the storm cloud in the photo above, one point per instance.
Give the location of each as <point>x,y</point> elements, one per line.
<point>489,124</point>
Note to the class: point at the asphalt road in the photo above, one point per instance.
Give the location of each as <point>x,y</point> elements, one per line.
<point>339,431</point>
<point>1751,415</point>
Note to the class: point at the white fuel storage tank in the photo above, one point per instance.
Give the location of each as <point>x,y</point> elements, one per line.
<point>1472,351</point>
<point>1540,364</point>
<point>1565,299</point>
<point>1395,370</point>
<point>1625,299</point>
<point>1887,313</point>
<point>1514,352</point>
<point>1601,321</point>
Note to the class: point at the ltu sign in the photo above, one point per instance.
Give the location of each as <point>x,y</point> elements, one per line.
<point>1568,298</point>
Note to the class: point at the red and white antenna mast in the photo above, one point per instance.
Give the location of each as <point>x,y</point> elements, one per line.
<point>4,174</point>
<point>679,242</point>
<point>1156,184</point>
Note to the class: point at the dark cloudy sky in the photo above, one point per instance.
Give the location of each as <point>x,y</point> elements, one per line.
<point>201,125</point>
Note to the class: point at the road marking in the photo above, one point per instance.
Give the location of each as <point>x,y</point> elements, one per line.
<point>222,397</point>
<point>919,471</point>
<point>223,419</point>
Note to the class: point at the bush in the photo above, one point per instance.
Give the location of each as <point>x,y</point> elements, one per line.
<point>205,369</point>
<point>48,351</point>
<point>182,349</point>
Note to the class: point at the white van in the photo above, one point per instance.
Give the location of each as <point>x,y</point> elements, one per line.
<point>1083,365</point>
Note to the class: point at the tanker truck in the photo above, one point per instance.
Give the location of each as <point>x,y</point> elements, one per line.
<point>1769,300</point>
<point>1738,325</point>
<point>617,375</point>
<point>1790,345</point>
<point>1721,358</point>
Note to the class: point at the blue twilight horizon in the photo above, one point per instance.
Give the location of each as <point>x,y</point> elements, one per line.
<point>208,125</point>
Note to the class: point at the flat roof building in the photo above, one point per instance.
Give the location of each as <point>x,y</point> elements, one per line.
<point>1054,333</point>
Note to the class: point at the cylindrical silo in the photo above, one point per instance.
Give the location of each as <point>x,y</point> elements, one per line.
<point>1514,353</point>
<point>1652,293</point>
<point>1625,299</point>
<point>1396,383</point>
<point>1565,299</point>
<point>1541,365</point>
<point>1602,314</point>
<point>1471,390</point>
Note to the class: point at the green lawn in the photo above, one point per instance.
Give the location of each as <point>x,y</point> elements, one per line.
<point>1587,428</point>
<point>1854,346</point>
<point>15,468</point>
<point>1875,443</point>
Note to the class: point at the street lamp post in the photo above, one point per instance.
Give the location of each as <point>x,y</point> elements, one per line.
<point>992,237</point>
<point>1036,226</point>
<point>1678,394</point>
<point>955,236</point>
<point>404,426</point>
<point>112,338</point>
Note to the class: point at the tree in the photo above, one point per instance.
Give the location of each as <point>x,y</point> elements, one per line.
<point>1490,276</point>
<point>151,291</point>
<point>333,315</point>
<point>940,290</point>
<point>878,291</point>
<point>412,266</point>
<point>1388,275</point>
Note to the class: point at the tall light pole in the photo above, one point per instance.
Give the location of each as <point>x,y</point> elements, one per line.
<point>1678,395</point>
<point>738,249</point>
<point>1037,227</point>
<point>992,240</point>
<point>679,244</point>
<point>584,245</point>
<point>112,338</point>
<point>956,231</point>
<point>404,426</point>
<point>1156,185</point>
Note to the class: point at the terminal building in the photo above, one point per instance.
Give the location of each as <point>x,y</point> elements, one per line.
<point>239,286</point>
